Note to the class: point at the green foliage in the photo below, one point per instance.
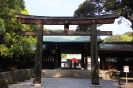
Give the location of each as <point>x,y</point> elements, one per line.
<point>129,33</point>
<point>17,50</point>
<point>114,38</point>
<point>5,51</point>
<point>63,55</point>
<point>12,43</point>
<point>85,9</point>
<point>125,6</point>
<point>2,26</point>
<point>126,37</point>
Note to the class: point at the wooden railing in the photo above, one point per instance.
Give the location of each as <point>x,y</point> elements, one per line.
<point>11,77</point>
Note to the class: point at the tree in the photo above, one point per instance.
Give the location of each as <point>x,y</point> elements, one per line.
<point>12,43</point>
<point>85,9</point>
<point>126,37</point>
<point>89,8</point>
<point>114,38</point>
<point>125,6</point>
<point>129,33</point>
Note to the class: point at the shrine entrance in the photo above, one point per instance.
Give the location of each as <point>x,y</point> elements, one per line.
<point>66,21</point>
<point>71,61</point>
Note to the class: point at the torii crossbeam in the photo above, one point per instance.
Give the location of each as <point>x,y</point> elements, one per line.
<point>66,21</point>
<point>67,33</point>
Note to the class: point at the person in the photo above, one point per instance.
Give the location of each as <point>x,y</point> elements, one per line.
<point>70,66</point>
<point>64,65</point>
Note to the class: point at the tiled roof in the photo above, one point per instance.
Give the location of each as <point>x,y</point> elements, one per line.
<point>68,38</point>
<point>116,46</point>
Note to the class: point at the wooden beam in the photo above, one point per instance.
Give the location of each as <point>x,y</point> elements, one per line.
<point>104,33</point>
<point>67,33</point>
<point>49,20</point>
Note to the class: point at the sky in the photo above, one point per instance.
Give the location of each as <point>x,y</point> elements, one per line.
<point>67,8</point>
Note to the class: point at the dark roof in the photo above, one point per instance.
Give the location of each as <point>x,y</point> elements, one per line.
<point>107,46</point>
<point>116,46</point>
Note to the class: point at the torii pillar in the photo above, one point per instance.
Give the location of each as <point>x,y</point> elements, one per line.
<point>38,55</point>
<point>94,56</point>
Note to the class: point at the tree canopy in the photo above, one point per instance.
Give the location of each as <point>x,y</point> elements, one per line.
<point>102,7</point>
<point>13,44</point>
<point>126,37</point>
<point>125,6</point>
<point>85,9</point>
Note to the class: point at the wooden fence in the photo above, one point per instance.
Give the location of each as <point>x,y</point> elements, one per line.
<point>12,77</point>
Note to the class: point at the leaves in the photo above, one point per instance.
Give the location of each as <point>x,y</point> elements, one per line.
<point>114,38</point>
<point>12,43</point>
<point>85,9</point>
<point>5,52</point>
<point>126,37</point>
<point>125,6</point>
<point>17,50</point>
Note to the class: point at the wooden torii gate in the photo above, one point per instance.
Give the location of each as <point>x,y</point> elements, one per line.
<point>66,21</point>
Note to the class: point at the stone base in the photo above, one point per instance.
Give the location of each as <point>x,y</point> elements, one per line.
<point>37,85</point>
<point>95,86</point>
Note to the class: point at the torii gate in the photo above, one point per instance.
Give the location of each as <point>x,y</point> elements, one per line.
<point>66,21</point>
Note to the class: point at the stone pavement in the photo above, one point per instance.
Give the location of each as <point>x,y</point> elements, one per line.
<point>65,83</point>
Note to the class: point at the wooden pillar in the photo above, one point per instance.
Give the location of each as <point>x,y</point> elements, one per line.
<point>82,59</point>
<point>66,27</point>
<point>38,56</point>
<point>102,62</point>
<point>94,55</point>
<point>57,58</point>
<point>118,63</point>
<point>85,59</point>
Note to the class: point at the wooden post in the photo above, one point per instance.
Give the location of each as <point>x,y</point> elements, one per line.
<point>66,27</point>
<point>38,56</point>
<point>94,55</point>
<point>56,58</point>
<point>59,58</point>
<point>101,61</point>
<point>85,59</point>
<point>82,59</point>
<point>126,78</point>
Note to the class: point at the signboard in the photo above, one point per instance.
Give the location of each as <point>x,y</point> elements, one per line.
<point>126,68</point>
